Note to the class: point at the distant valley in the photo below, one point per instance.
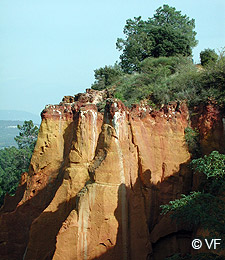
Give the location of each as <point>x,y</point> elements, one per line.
<point>17,115</point>
<point>8,130</point>
<point>9,119</point>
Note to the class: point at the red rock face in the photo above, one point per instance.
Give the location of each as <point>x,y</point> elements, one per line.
<point>96,182</point>
<point>209,120</point>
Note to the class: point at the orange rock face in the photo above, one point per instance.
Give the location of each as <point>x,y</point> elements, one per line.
<point>211,124</point>
<point>96,182</point>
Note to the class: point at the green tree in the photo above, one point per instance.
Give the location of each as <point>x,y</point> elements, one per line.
<point>213,80</point>
<point>206,207</point>
<point>167,33</point>
<point>192,141</point>
<point>14,161</point>
<point>27,136</point>
<point>207,56</point>
<point>10,171</point>
<point>105,76</point>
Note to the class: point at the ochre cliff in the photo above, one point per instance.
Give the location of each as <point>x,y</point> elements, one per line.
<point>96,182</point>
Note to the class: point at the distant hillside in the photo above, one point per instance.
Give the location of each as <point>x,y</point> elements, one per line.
<point>8,130</point>
<point>16,115</point>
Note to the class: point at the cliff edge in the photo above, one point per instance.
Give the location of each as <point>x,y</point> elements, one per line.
<point>96,181</point>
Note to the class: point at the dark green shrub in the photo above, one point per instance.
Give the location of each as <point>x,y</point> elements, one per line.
<point>162,80</point>
<point>213,80</point>
<point>104,77</point>
<point>172,64</point>
<point>205,207</point>
<point>192,140</point>
<point>208,56</point>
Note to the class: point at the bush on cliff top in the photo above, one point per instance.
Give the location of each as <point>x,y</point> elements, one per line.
<point>160,81</point>
<point>156,63</point>
<point>106,76</point>
<point>167,79</point>
<point>208,56</point>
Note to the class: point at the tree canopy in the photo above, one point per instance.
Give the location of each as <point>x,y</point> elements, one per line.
<point>14,161</point>
<point>27,136</point>
<point>105,76</point>
<point>207,56</point>
<point>167,33</point>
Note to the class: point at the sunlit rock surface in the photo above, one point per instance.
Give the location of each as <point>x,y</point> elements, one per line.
<point>96,182</point>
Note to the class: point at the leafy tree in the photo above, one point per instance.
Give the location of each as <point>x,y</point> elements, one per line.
<point>105,76</point>
<point>136,46</point>
<point>14,161</point>
<point>192,140</point>
<point>28,135</point>
<point>10,171</point>
<point>213,79</point>
<point>213,165</point>
<point>206,207</point>
<point>207,56</point>
<point>167,33</point>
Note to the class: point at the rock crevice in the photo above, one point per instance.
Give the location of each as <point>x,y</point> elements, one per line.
<point>96,182</point>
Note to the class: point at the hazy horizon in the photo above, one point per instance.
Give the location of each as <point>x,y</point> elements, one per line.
<point>50,49</point>
<point>20,115</point>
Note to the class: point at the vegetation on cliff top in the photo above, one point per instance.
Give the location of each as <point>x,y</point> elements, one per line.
<point>208,56</point>
<point>155,66</point>
<point>158,68</point>
<point>167,79</point>
<point>168,33</point>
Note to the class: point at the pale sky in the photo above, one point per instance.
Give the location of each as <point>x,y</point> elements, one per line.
<point>50,48</point>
